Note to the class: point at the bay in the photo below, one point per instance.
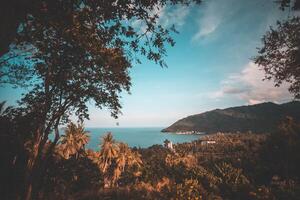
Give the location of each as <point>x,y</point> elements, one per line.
<point>137,137</point>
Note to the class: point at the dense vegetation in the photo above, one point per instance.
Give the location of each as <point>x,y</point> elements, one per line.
<point>68,53</point>
<point>237,166</point>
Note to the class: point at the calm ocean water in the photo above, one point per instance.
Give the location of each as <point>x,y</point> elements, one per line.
<point>137,137</point>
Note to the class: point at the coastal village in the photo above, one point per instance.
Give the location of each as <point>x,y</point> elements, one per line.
<point>204,141</point>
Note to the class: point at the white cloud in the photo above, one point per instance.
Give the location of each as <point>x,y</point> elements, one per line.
<point>168,15</point>
<point>207,25</point>
<point>174,15</point>
<point>209,21</point>
<point>213,14</point>
<point>248,85</point>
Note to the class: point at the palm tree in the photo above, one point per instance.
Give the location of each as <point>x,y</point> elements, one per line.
<point>114,158</point>
<point>123,155</point>
<point>74,140</point>
<point>108,151</point>
<point>135,159</point>
<point>126,158</point>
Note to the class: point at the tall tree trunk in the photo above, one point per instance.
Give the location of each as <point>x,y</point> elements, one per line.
<point>41,165</point>
<point>36,167</point>
<point>31,164</point>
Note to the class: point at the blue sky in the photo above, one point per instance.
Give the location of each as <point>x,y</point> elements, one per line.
<point>209,67</point>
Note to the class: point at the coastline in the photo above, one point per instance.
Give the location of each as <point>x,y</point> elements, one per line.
<point>186,132</point>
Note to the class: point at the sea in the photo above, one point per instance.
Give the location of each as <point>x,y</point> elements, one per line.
<point>137,137</point>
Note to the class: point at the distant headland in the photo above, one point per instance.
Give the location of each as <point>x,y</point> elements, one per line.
<point>258,118</point>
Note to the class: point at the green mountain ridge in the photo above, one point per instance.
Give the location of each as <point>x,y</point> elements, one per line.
<point>258,118</point>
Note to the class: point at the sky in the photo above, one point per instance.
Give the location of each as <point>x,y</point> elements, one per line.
<point>210,66</point>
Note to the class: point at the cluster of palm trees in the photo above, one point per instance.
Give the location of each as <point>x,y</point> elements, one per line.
<point>113,158</point>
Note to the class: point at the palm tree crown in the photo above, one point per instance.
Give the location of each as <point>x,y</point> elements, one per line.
<point>108,152</point>
<point>73,141</point>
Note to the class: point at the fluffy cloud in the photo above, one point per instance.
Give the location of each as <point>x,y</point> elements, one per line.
<point>248,85</point>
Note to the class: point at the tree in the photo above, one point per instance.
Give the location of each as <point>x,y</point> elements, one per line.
<point>108,152</point>
<point>294,4</point>
<point>15,12</point>
<point>73,142</point>
<point>8,149</point>
<point>279,56</point>
<point>284,143</point>
<point>190,189</point>
<point>121,159</point>
<point>115,158</point>
<point>73,52</point>
<point>12,13</point>
<point>126,158</point>
<point>16,131</point>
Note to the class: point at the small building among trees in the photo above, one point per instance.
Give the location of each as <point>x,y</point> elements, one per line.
<point>208,142</point>
<point>168,144</point>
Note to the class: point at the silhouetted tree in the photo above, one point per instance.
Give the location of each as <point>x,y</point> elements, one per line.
<point>73,52</point>
<point>284,144</point>
<point>15,12</point>
<point>279,56</point>
<point>16,129</point>
<point>293,4</point>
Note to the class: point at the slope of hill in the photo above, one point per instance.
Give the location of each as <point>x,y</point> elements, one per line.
<point>264,117</point>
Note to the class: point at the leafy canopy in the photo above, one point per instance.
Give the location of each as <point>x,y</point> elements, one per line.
<point>71,52</point>
<point>279,55</point>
